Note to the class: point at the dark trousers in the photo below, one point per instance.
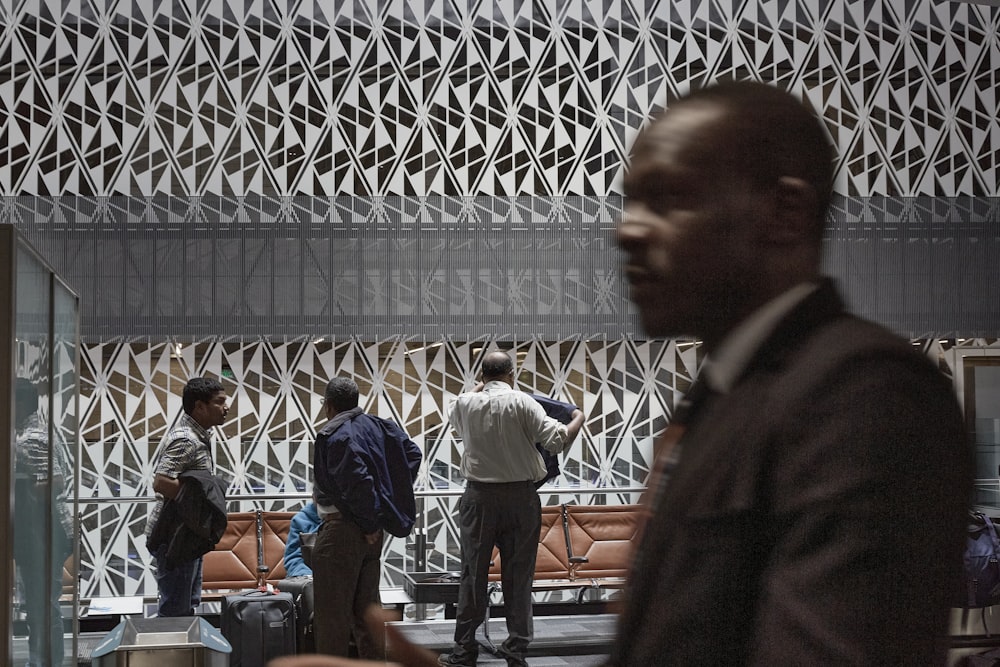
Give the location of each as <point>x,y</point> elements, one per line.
<point>510,517</point>
<point>42,584</point>
<point>41,581</point>
<point>346,572</point>
<point>179,587</point>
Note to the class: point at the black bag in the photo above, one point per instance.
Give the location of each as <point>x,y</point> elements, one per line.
<point>301,589</point>
<point>259,625</point>
<point>307,542</point>
<point>981,573</point>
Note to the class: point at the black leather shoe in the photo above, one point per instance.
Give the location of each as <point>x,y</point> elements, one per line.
<point>512,660</point>
<point>452,660</point>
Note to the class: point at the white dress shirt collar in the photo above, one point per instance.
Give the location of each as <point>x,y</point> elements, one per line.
<point>723,368</point>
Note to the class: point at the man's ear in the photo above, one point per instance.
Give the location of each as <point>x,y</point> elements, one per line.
<point>794,211</point>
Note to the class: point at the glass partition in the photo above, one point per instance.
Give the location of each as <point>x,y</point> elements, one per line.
<point>42,390</point>
<point>64,430</point>
<point>981,380</point>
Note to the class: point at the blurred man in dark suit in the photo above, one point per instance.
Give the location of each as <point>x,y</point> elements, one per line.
<point>810,495</point>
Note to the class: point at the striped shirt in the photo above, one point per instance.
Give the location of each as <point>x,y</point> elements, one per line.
<point>188,447</point>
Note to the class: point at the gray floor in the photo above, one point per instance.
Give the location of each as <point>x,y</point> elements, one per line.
<point>19,651</point>
<point>560,641</point>
<point>582,640</point>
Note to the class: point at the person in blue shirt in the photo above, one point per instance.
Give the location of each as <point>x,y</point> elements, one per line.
<point>306,520</point>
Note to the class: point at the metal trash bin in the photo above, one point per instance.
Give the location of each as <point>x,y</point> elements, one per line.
<point>188,641</point>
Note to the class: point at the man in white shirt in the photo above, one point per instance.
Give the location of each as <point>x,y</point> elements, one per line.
<point>499,427</point>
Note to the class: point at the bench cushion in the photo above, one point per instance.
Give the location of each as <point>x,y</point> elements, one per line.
<point>274,534</point>
<point>604,535</point>
<point>233,562</point>
<point>552,561</point>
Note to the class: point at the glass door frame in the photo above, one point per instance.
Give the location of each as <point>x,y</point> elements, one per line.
<point>12,245</point>
<point>965,361</point>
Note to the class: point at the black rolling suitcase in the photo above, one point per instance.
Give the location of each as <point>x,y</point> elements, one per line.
<point>301,589</point>
<point>259,625</point>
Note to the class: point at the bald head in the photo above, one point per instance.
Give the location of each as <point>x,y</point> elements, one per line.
<point>497,366</point>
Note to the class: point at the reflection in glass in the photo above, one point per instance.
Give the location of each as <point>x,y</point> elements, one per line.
<point>42,518</point>
<point>37,488</point>
<point>982,416</point>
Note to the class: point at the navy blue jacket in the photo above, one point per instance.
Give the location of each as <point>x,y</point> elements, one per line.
<point>563,413</point>
<point>366,468</point>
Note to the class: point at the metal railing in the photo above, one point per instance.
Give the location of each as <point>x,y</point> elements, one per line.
<point>112,566</point>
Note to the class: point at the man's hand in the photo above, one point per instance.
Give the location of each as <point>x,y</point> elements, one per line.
<point>574,426</point>
<point>372,538</point>
<point>403,652</point>
<point>168,487</point>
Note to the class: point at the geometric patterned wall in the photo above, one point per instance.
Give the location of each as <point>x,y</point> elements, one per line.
<point>130,396</point>
<point>411,97</point>
<point>245,177</point>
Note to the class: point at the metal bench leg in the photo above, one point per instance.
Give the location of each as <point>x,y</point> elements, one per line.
<point>488,643</point>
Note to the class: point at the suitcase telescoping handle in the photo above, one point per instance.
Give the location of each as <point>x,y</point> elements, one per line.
<point>262,569</point>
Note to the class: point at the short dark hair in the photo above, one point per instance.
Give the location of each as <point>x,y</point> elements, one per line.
<point>341,393</point>
<point>25,397</point>
<point>497,365</point>
<point>772,133</point>
<point>200,389</point>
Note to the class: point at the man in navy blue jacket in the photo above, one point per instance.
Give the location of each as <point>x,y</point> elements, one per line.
<point>364,469</point>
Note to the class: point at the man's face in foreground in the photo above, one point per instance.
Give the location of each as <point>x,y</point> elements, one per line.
<point>687,229</point>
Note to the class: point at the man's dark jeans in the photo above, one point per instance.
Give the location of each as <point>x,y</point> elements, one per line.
<point>179,587</point>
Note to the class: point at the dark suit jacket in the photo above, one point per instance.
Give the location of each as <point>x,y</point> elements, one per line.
<point>817,514</point>
<point>562,413</point>
<point>192,523</point>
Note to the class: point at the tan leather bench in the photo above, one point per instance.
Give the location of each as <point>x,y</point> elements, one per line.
<point>581,547</point>
<point>552,559</point>
<point>601,538</point>
<point>249,537</point>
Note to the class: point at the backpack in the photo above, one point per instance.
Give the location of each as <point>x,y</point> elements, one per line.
<point>981,572</point>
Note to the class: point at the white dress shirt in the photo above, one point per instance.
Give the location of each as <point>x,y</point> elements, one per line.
<point>499,427</point>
